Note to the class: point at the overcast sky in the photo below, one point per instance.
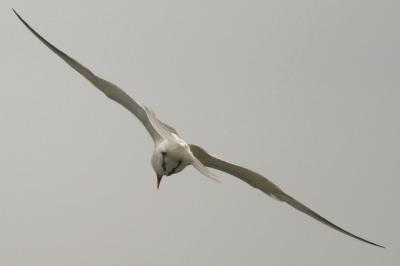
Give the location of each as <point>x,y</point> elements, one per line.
<point>304,92</point>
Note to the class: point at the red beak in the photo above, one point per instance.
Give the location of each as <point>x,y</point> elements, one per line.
<point>159,177</point>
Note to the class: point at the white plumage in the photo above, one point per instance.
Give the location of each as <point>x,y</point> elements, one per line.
<point>172,154</point>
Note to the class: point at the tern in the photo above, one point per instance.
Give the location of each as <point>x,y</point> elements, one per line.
<point>172,154</point>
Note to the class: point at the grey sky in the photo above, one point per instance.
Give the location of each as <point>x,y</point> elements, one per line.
<point>305,92</point>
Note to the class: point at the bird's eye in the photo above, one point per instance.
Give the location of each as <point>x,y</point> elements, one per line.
<point>163,153</point>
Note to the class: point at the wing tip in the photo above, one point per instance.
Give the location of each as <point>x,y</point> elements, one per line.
<point>377,245</point>
<point>15,12</point>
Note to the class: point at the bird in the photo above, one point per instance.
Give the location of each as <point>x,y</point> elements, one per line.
<point>171,153</point>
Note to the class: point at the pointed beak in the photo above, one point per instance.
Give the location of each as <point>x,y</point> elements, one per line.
<point>159,177</point>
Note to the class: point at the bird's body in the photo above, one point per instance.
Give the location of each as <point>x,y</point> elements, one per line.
<point>172,154</point>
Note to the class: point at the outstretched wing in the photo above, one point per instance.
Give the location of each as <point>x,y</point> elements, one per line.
<point>109,89</point>
<point>266,186</point>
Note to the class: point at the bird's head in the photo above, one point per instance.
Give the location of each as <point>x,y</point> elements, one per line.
<point>166,163</point>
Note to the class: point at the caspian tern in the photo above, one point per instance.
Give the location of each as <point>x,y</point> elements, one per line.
<point>172,154</point>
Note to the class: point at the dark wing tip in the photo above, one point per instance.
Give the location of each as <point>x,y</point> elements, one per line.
<point>378,245</point>
<point>20,18</point>
<point>15,12</point>
<point>303,208</point>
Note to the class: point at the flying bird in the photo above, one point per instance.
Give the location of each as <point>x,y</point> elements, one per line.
<point>172,154</point>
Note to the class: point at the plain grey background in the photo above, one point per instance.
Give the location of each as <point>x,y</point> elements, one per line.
<point>305,92</point>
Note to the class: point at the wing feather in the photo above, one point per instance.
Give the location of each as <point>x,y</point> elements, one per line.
<point>111,90</point>
<point>260,182</point>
